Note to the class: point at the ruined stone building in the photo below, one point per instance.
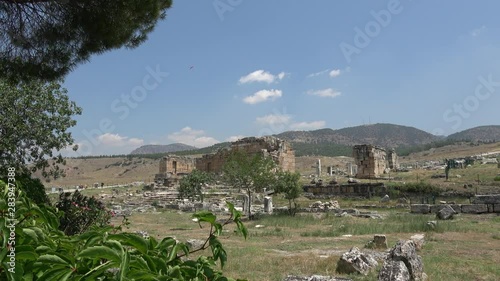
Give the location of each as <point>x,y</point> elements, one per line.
<point>279,150</point>
<point>372,161</point>
<point>172,166</point>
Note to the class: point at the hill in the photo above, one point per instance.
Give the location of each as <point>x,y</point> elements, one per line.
<point>478,134</point>
<point>154,149</point>
<point>330,142</point>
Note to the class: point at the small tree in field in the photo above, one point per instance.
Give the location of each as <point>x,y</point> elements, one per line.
<point>288,184</point>
<point>191,185</point>
<point>251,173</point>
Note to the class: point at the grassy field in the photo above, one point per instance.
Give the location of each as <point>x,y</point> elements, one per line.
<point>466,248</point>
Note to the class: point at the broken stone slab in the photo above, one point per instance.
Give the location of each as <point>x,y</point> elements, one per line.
<point>406,252</point>
<point>394,271</point>
<point>386,198</point>
<point>446,213</point>
<point>314,278</point>
<point>419,240</point>
<point>474,209</point>
<point>486,199</point>
<point>378,242</point>
<point>355,261</point>
<point>431,224</point>
<point>420,208</point>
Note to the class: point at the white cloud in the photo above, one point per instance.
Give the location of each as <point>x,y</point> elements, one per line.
<point>109,139</point>
<point>281,75</point>
<point>325,93</point>
<point>476,32</point>
<point>263,95</point>
<point>234,138</point>
<point>261,76</point>
<point>334,73</point>
<point>303,126</point>
<point>274,119</point>
<point>189,136</point>
<point>318,73</point>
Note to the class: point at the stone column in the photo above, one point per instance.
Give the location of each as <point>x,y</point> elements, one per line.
<point>246,201</point>
<point>268,205</point>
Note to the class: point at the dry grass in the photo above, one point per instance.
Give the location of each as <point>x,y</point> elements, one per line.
<point>466,249</point>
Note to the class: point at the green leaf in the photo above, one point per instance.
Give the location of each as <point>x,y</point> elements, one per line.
<point>205,216</point>
<point>51,259</point>
<point>124,266</point>
<point>31,233</point>
<point>26,252</point>
<point>133,240</point>
<point>100,252</point>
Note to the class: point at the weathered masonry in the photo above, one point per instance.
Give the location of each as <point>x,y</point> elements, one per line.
<point>353,189</point>
<point>373,161</point>
<point>172,166</point>
<point>279,150</point>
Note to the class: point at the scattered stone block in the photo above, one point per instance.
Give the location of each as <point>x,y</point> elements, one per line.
<point>419,240</point>
<point>378,242</point>
<point>394,271</point>
<point>355,261</point>
<point>314,278</point>
<point>446,213</point>
<point>406,252</point>
<point>420,208</point>
<point>384,199</point>
<point>431,224</point>
<point>474,209</point>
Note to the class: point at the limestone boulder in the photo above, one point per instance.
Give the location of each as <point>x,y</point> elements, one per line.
<point>394,271</point>
<point>406,252</point>
<point>314,278</point>
<point>355,261</point>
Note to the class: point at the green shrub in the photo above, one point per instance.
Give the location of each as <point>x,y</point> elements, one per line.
<point>34,188</point>
<point>497,178</point>
<point>80,213</point>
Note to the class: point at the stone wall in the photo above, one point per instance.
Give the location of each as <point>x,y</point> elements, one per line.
<point>480,204</point>
<point>279,150</point>
<point>371,161</point>
<point>352,189</point>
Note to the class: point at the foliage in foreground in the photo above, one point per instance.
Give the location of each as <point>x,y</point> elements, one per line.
<point>43,252</point>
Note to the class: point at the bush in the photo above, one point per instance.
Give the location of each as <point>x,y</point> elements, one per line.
<point>497,178</point>
<point>81,213</point>
<point>42,252</point>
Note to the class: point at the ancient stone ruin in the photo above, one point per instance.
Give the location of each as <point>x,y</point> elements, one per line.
<point>280,151</point>
<point>172,166</point>
<point>373,161</point>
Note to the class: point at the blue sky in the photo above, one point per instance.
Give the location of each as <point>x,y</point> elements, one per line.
<point>217,70</point>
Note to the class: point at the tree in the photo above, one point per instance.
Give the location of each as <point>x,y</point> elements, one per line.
<point>191,185</point>
<point>34,119</point>
<point>251,173</point>
<point>45,39</point>
<point>288,184</point>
